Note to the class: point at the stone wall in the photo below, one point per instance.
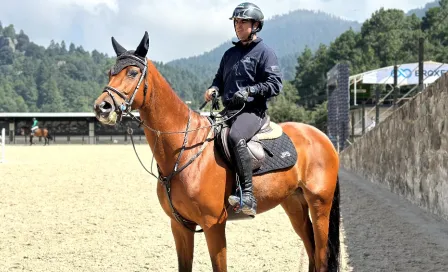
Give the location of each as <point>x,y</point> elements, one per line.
<point>408,151</point>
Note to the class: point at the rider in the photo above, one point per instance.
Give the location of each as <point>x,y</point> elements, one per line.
<point>248,75</point>
<point>34,126</point>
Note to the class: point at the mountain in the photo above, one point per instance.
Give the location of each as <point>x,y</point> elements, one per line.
<point>420,12</point>
<point>287,34</point>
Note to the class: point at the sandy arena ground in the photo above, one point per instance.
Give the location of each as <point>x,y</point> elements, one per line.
<point>94,208</point>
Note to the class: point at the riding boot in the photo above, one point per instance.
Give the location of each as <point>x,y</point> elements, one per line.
<point>244,171</point>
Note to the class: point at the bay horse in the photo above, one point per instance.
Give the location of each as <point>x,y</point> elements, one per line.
<point>40,132</point>
<point>194,181</point>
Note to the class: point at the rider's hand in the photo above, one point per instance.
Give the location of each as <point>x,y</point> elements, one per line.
<point>208,94</point>
<point>240,97</point>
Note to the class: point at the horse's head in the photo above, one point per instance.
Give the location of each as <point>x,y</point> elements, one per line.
<point>127,87</point>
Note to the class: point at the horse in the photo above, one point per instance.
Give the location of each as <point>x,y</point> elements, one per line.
<point>38,133</point>
<point>195,180</point>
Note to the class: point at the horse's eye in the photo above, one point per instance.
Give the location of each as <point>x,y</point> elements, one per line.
<point>132,73</point>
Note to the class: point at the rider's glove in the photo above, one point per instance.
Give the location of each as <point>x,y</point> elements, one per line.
<point>242,95</point>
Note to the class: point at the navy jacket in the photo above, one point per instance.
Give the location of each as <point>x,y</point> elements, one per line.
<point>255,66</point>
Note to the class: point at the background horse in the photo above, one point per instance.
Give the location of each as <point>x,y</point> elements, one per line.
<point>195,181</point>
<point>38,133</point>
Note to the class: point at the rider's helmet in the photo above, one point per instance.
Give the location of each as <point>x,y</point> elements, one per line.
<point>34,118</point>
<point>249,11</point>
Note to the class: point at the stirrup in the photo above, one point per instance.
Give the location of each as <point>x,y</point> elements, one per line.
<point>237,201</point>
<point>238,205</point>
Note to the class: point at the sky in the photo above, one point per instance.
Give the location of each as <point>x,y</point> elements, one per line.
<point>177,28</point>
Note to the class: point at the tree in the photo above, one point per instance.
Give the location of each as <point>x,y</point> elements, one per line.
<point>50,98</point>
<point>319,117</point>
<point>303,68</point>
<point>387,33</point>
<point>63,50</point>
<point>7,96</point>
<point>22,41</point>
<point>43,73</point>
<point>310,77</point>
<point>20,104</point>
<point>72,48</point>
<point>345,49</point>
<point>284,107</point>
<point>9,32</point>
<point>435,29</point>
<point>6,55</point>
<point>35,51</point>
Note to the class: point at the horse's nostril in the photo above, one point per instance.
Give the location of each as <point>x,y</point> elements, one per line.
<point>105,107</point>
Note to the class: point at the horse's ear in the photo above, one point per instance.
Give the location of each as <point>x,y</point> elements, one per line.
<point>117,47</point>
<point>142,48</point>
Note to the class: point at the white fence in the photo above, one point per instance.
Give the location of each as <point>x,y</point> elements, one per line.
<point>2,146</point>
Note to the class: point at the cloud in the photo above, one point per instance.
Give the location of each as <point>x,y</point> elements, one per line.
<point>177,28</point>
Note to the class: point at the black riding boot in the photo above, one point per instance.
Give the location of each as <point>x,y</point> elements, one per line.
<point>244,171</point>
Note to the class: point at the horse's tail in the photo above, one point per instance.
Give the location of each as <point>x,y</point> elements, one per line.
<point>333,250</point>
<point>49,135</point>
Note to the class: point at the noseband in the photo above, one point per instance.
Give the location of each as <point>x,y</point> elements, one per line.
<point>123,62</point>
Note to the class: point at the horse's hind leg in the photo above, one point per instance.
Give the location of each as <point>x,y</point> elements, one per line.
<point>296,208</point>
<point>319,193</point>
<point>184,240</point>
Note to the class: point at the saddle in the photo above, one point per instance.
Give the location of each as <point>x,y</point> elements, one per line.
<point>270,148</point>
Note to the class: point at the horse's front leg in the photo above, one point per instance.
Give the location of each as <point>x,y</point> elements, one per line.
<point>184,240</point>
<point>217,247</point>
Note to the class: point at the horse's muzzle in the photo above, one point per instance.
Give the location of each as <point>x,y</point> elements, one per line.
<point>105,112</point>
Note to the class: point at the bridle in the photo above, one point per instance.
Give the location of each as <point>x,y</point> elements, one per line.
<point>125,107</point>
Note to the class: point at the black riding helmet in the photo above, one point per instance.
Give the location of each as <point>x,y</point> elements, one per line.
<point>249,11</point>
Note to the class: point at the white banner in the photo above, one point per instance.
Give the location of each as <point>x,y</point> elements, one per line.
<point>407,74</point>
